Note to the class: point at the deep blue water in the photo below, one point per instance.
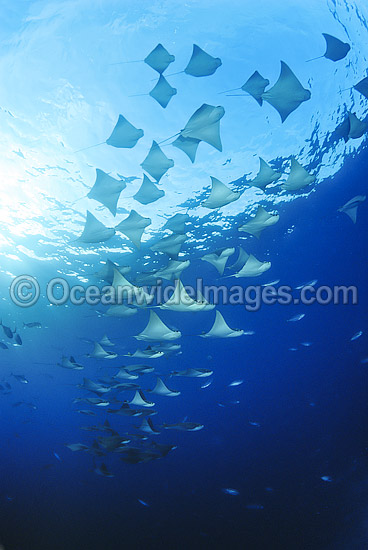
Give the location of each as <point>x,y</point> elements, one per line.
<point>311,406</point>
<point>281,463</point>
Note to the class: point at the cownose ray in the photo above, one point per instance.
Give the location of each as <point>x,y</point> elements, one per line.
<point>206,306</point>
<point>259,222</point>
<point>148,192</point>
<point>287,94</point>
<point>184,426</point>
<point>141,369</point>
<point>204,125</point>
<point>121,386</point>
<point>147,427</point>
<point>158,59</point>
<point>106,273</point>
<point>156,330</point>
<point>70,364</point>
<point>356,127</point>
<point>220,329</point>
<point>220,195</point>
<point>265,176</point>
<point>167,347</point>
<point>188,145</point>
<point>219,259</point>
<point>336,49</point>
<point>193,373</point>
<point>97,401</point>
<point>120,311</point>
<point>125,410</point>
<point>106,190</point>
<point>202,63</point>
<point>124,289</point>
<point>254,86</point>
<point>148,353</point>
<point>125,375</point>
<point>133,227</point>
<point>177,223</point>
<point>351,207</point>
<point>156,162</point>
<point>173,269</point>
<point>77,447</point>
<point>105,341</point>
<point>95,231</point>
<point>298,177</point>
<point>362,87</point>
<point>123,136</point>
<point>112,443</point>
<point>140,400</point>
<point>162,92</point>
<point>163,448</point>
<point>181,301</point>
<point>99,353</point>
<point>91,386</point>
<point>161,389</point>
<point>242,258</point>
<point>252,268</point>
<point>170,245</point>
<point>351,127</point>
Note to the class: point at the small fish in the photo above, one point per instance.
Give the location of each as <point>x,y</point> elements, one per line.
<point>306,344</point>
<point>206,384</point>
<point>364,361</point>
<point>7,331</point>
<point>57,456</point>
<point>18,339</point>
<point>256,424</point>
<point>326,478</point>
<point>22,379</point>
<point>221,405</point>
<point>32,325</point>
<point>229,491</point>
<point>3,346</point>
<point>272,283</point>
<point>293,349</point>
<point>235,383</point>
<point>296,318</point>
<point>248,333</point>
<point>356,336</point>
<point>309,283</point>
<point>143,503</point>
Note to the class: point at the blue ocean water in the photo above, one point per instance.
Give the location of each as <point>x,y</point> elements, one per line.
<point>281,462</point>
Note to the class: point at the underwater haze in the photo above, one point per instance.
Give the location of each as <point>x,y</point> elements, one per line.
<point>183,274</point>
